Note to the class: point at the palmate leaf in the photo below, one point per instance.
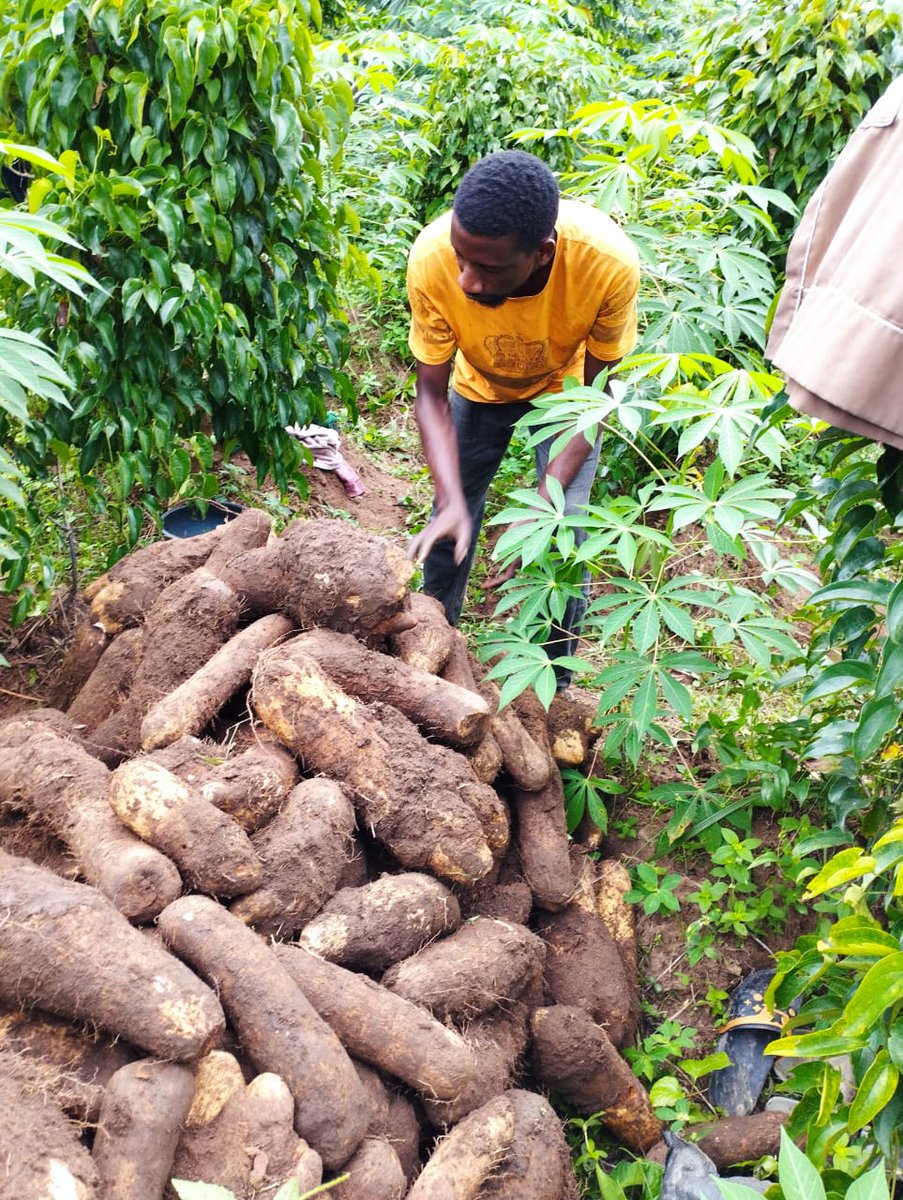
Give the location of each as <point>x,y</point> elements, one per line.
<point>730,408</point>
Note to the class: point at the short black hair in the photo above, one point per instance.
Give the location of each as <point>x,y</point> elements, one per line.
<point>507,193</point>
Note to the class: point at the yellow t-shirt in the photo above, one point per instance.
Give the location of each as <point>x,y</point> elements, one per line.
<point>529,344</point>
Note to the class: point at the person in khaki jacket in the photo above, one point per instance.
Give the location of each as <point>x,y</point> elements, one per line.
<point>838,330</point>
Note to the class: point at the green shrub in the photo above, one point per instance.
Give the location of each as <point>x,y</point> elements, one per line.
<point>194,134</point>
<point>797,78</point>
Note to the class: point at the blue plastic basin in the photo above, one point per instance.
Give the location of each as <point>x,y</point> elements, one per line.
<point>187,520</point>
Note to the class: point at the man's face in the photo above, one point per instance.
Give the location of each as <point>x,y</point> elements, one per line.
<point>492,269</point>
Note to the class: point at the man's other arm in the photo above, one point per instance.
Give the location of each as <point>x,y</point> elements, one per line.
<point>440,448</point>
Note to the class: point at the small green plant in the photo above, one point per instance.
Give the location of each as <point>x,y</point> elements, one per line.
<point>654,888</point>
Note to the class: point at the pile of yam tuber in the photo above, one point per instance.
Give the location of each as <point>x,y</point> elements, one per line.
<point>286,897</point>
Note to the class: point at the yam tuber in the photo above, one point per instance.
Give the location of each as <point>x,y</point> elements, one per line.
<point>67,950</point>
<point>250,784</point>
<point>427,644</point>
<point>107,687</point>
<point>498,1040</point>
<point>242,1137</point>
<point>374,1173</point>
<point>538,1162</point>
<point>189,621</point>
<point>190,707</point>
<point>440,709</point>
<point>485,756</point>
<point>372,927</point>
<point>324,572</point>
<point>81,658</point>
<point>469,1155</point>
<point>302,852</point>
<point>140,1121</point>
<point>486,963</point>
<point>421,818</point>
<point>71,1062</point>
<point>63,785</point>
<point>583,968</point>
<point>527,764</point>
<point>213,853</point>
<point>41,1157</point>
<point>576,1059</point>
<point>381,1028</point>
<point>278,1028</point>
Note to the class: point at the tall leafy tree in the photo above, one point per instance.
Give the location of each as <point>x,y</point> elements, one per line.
<point>195,138</point>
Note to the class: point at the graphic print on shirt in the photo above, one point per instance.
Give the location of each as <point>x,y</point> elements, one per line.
<point>512,357</point>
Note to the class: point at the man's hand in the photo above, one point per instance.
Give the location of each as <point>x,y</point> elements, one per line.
<point>451,523</point>
<point>503,576</point>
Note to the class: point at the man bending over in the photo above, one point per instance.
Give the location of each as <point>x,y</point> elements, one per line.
<point>510,292</point>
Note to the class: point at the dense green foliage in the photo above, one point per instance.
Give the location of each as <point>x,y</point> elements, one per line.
<point>193,138</point>
<point>797,79</point>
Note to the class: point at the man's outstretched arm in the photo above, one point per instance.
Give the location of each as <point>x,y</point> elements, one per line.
<point>440,448</point>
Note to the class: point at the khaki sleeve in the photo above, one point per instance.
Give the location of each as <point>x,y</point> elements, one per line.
<point>430,338</point>
<point>614,332</point>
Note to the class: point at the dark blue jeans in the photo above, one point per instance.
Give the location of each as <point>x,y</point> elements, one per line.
<point>484,433</point>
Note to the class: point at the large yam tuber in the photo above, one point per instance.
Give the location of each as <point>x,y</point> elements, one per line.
<point>374,1173</point>
<point>381,1028</point>
<point>140,1122</point>
<point>486,963</point>
<point>427,644</point>
<point>187,624</point>
<point>107,687</point>
<point>427,765</point>
<point>242,1137</point>
<point>213,853</point>
<point>67,789</point>
<point>303,852</point>
<point>538,1162</point>
<point>66,949</point>
<point>575,1058</point>
<point>122,598</point>
<point>250,785</point>
<point>190,707</point>
<point>584,969</point>
<point>612,883</point>
<point>325,572</point>
<point>469,1155</point>
<point>374,926</point>
<point>41,1157</point>
<point>420,818</point>
<point>440,709</point>
<point>70,1062</point>
<point>542,843</point>
<point>276,1025</point>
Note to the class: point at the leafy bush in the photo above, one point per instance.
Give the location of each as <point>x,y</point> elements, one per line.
<point>797,78</point>
<point>194,140</point>
<point>27,367</point>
